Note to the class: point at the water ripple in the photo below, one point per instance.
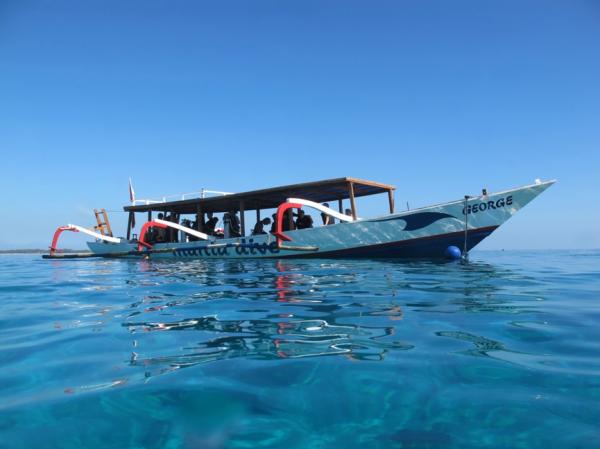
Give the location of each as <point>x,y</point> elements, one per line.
<point>302,353</point>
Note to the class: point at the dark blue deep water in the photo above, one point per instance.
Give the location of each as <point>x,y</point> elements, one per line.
<point>502,353</point>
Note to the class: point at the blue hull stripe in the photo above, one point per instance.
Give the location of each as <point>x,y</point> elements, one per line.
<point>430,247</point>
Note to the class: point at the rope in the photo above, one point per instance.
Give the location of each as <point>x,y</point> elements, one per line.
<point>465,254</point>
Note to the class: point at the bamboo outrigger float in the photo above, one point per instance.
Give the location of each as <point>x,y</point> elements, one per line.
<point>443,230</point>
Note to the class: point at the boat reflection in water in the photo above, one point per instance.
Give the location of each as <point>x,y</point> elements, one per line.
<point>206,311</point>
<point>297,310</point>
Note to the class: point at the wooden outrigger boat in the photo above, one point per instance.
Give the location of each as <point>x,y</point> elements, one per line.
<point>443,230</point>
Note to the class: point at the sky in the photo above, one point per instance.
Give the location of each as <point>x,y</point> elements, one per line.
<point>439,98</point>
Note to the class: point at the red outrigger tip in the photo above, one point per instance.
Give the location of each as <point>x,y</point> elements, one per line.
<point>57,234</point>
<point>283,207</point>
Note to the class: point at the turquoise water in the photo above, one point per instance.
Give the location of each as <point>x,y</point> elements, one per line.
<point>503,352</point>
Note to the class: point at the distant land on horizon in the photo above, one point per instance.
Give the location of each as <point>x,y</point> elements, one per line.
<point>37,251</point>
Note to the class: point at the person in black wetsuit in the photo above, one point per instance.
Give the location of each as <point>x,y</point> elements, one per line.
<point>303,221</point>
<point>231,219</point>
<point>159,234</point>
<point>288,224</point>
<point>259,227</point>
<point>211,224</point>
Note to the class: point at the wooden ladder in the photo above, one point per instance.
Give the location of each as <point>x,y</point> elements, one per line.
<point>103,226</point>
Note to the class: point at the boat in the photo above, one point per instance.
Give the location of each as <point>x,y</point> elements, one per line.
<point>448,230</point>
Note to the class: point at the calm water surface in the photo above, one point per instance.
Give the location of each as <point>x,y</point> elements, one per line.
<point>503,352</point>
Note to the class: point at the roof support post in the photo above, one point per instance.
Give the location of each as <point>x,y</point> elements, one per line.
<point>391,200</point>
<point>129,222</point>
<point>341,206</point>
<point>149,215</point>
<point>257,214</point>
<point>170,229</point>
<point>242,220</point>
<point>352,202</point>
<point>199,218</point>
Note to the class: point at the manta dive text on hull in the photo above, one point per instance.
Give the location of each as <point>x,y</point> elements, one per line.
<point>188,228</point>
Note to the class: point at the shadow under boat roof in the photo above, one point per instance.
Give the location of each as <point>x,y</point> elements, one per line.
<point>318,191</point>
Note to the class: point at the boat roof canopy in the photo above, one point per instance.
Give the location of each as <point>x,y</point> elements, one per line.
<point>317,191</point>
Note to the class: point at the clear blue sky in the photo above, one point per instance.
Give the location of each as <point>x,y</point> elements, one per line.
<point>440,98</point>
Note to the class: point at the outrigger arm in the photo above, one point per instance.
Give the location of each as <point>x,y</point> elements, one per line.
<point>158,223</point>
<point>76,228</point>
<point>322,208</point>
<point>190,231</point>
<point>297,203</point>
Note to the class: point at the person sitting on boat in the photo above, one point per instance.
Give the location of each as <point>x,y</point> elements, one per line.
<point>327,219</point>
<point>204,223</point>
<point>211,224</point>
<point>288,221</point>
<point>231,223</point>
<point>159,234</point>
<point>193,225</point>
<point>183,237</point>
<point>174,233</point>
<point>273,224</point>
<point>259,227</point>
<point>166,231</point>
<point>304,221</point>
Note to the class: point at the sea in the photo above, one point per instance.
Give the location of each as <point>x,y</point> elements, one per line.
<point>499,352</point>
